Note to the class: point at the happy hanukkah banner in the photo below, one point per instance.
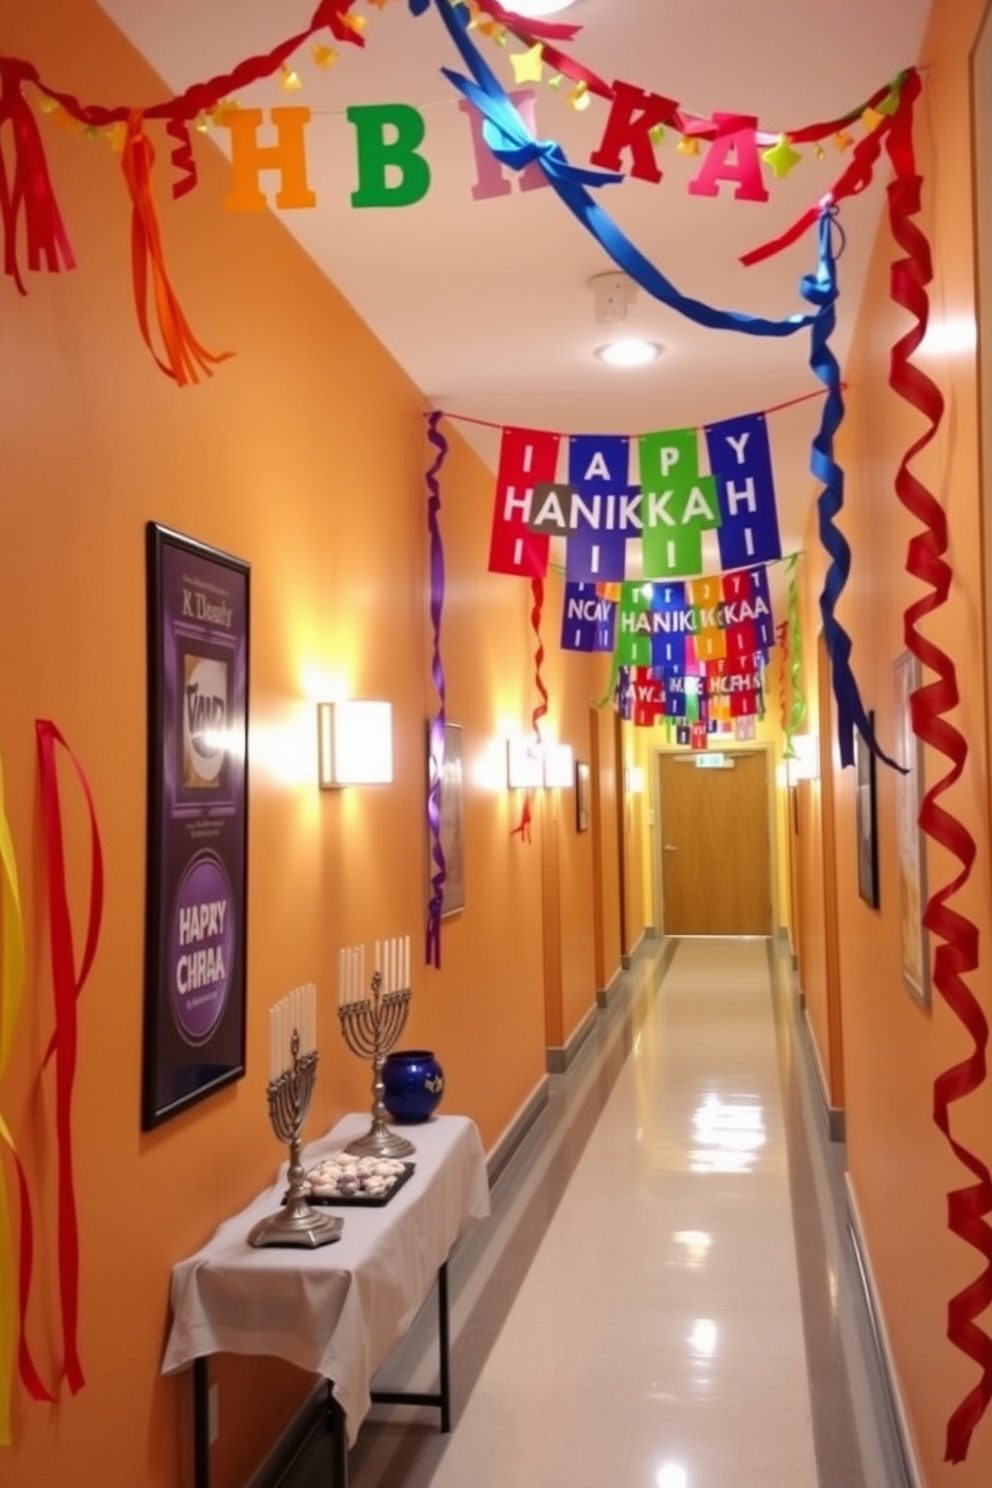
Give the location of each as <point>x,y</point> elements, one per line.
<point>599,508</point>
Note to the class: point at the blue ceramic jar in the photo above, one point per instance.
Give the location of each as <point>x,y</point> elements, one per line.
<point>413,1083</point>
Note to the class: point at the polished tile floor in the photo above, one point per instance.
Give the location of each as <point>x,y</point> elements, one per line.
<point>667,1295</point>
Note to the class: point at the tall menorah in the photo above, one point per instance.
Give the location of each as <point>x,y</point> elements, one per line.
<point>296,1223</point>
<point>371,1026</point>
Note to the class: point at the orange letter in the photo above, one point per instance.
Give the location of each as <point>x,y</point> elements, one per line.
<point>248,157</point>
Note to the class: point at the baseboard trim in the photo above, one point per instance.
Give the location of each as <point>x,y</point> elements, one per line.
<point>516,1133</point>
<point>893,1397</point>
<point>833,1117</point>
<point>558,1057</point>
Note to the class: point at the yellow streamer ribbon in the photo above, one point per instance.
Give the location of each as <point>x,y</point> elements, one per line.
<point>797,715</point>
<point>11,993</point>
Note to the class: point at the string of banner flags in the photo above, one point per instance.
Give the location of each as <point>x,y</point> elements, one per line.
<point>687,646</point>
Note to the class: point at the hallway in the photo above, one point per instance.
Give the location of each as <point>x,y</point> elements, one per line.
<point>667,1295</point>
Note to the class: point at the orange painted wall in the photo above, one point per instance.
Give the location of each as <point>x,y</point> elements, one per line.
<point>305,455</point>
<point>901,1169</point>
<point>606,787</point>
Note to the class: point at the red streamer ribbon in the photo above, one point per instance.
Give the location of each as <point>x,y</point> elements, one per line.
<point>182,159</point>
<point>968,1206</point>
<point>854,179</point>
<point>183,353</point>
<point>537,590</point>
<point>28,189</point>
<point>67,986</point>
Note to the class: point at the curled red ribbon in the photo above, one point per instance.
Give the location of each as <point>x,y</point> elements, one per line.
<point>537,590</point>
<point>67,985</point>
<point>958,954</point>
<point>782,635</point>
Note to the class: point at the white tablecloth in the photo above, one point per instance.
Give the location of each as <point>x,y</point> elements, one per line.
<point>340,1310</point>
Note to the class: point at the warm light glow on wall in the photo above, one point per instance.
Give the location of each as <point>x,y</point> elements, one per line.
<point>806,765</point>
<point>354,743</point>
<point>530,765</point>
<point>559,766</point>
<point>524,764</point>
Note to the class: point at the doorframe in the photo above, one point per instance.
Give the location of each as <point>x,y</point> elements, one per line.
<point>756,746</point>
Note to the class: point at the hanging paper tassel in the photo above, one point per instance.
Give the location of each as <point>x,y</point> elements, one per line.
<point>436,742</point>
<point>537,590</point>
<point>929,705</point>
<point>28,188</point>
<point>821,289</point>
<point>183,353</point>
<point>67,987</point>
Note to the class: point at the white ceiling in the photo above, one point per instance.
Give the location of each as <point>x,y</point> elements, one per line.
<point>487,304</point>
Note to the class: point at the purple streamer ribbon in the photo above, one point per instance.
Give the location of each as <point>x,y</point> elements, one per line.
<point>436,743</point>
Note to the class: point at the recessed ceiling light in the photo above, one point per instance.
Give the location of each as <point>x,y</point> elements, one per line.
<point>629,351</point>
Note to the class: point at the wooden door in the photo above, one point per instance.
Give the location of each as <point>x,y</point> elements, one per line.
<point>715,850</point>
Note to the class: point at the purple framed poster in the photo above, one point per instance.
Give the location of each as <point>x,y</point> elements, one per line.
<point>195,933</point>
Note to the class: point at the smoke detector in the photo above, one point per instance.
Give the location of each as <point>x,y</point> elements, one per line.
<point>613,295</point>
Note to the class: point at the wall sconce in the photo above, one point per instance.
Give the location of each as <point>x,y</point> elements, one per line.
<point>524,764</point>
<point>806,763</point>
<point>559,766</point>
<point>354,743</point>
<point>530,765</point>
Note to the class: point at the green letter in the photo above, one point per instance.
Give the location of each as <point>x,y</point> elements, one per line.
<point>377,155</point>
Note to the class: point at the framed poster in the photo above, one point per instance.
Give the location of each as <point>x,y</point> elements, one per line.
<point>582,790</point>
<point>865,812</point>
<point>195,933</point>
<point>453,821</point>
<point>909,840</point>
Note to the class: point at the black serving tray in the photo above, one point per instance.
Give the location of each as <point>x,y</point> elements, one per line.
<point>362,1200</point>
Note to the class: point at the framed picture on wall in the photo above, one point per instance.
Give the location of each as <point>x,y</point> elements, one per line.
<point>583,788</point>
<point>909,839</point>
<point>865,813</point>
<point>195,933</point>
<point>453,821</point>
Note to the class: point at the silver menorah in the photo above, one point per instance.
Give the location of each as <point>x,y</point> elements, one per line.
<point>297,1222</point>
<point>371,1026</point>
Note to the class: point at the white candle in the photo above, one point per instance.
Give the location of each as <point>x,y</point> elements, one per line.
<point>272,1046</point>
<point>378,959</point>
<point>361,971</point>
<point>406,963</point>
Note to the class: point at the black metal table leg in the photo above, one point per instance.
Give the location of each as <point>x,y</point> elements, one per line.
<point>201,1422</point>
<point>442,1397</point>
<point>339,1439</point>
<point>444,1346</point>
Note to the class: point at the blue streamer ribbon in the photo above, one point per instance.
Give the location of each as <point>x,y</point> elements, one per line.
<point>513,145</point>
<point>820,289</point>
<point>436,741</point>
